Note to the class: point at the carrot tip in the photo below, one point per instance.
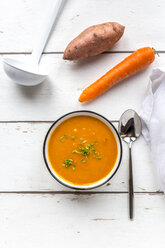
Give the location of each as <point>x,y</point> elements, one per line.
<point>80,100</point>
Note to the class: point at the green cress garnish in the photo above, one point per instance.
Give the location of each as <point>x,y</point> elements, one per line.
<point>83,150</point>
<point>68,162</point>
<point>86,150</point>
<point>75,151</point>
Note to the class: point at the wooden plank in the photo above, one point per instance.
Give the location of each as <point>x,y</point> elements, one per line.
<point>143,28</point>
<point>22,167</point>
<point>77,220</point>
<point>59,93</point>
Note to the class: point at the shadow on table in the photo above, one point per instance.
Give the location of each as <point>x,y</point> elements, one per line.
<point>32,92</point>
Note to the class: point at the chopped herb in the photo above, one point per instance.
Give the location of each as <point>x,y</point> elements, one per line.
<point>73,167</point>
<point>67,162</point>
<point>85,151</point>
<point>98,157</point>
<point>93,149</point>
<point>62,138</point>
<point>73,137</point>
<point>95,35</point>
<point>80,143</point>
<point>62,141</point>
<point>75,151</point>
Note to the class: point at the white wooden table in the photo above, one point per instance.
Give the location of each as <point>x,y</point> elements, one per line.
<point>35,210</point>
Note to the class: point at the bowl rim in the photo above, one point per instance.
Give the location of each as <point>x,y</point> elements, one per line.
<point>88,187</point>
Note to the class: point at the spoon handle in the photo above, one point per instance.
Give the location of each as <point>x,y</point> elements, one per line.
<point>45,31</point>
<point>131,191</point>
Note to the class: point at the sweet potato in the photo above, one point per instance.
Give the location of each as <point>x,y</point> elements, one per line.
<point>94,40</point>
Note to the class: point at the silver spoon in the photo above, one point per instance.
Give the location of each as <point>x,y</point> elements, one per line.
<point>130,130</point>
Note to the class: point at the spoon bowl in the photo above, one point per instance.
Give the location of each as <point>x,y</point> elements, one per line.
<point>22,72</point>
<point>129,126</point>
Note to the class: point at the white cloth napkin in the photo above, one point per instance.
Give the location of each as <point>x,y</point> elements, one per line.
<point>153,121</point>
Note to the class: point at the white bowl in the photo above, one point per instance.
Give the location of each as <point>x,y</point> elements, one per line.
<point>111,127</point>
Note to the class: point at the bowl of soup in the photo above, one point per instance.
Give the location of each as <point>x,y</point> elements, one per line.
<point>82,150</point>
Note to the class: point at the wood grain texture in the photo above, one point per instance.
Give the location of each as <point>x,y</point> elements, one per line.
<point>144,21</point>
<point>22,166</point>
<point>59,93</point>
<point>79,221</point>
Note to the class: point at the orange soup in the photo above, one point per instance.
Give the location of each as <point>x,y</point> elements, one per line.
<point>82,150</point>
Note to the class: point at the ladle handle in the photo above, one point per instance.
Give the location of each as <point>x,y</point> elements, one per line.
<point>131,190</point>
<point>44,35</point>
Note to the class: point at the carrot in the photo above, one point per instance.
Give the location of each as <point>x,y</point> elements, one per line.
<point>134,63</point>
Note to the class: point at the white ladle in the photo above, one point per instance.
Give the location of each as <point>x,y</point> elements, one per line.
<point>27,72</point>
